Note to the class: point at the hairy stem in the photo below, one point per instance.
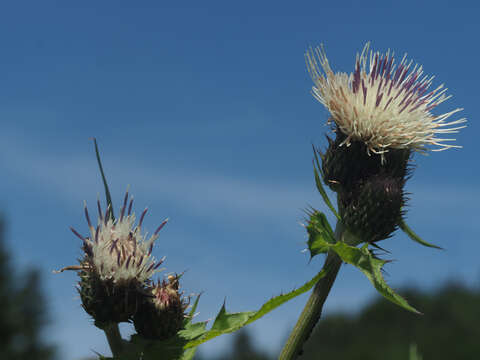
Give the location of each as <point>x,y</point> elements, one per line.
<point>313,309</point>
<point>115,341</point>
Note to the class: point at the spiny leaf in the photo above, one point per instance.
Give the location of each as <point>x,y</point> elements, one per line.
<point>318,182</point>
<point>191,314</point>
<point>406,229</point>
<point>107,191</point>
<point>146,349</point>
<point>193,330</point>
<point>226,323</point>
<point>183,345</point>
<point>318,227</point>
<point>372,268</point>
<point>362,259</point>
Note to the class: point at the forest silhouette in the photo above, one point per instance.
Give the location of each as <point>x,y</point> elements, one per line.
<point>22,311</point>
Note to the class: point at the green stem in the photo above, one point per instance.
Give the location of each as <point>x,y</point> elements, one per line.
<point>313,309</point>
<point>114,338</point>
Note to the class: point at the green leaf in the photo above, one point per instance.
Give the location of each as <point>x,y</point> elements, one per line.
<point>189,354</point>
<point>107,191</point>
<point>361,258</point>
<point>184,344</point>
<point>193,330</point>
<point>319,228</point>
<point>229,322</point>
<point>318,182</point>
<point>406,229</point>
<point>146,349</point>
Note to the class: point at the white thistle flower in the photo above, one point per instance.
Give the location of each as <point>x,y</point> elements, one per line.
<point>117,250</point>
<point>383,105</point>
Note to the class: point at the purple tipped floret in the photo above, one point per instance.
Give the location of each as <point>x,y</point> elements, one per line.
<point>124,206</point>
<point>356,77</point>
<point>158,265</point>
<point>150,267</point>
<point>77,234</point>
<point>397,73</point>
<point>379,98</point>
<point>88,249</point>
<point>128,261</point>
<point>150,249</point>
<point>417,106</point>
<point>130,207</point>
<point>364,89</point>
<point>388,103</point>
<point>389,68</point>
<point>88,217</point>
<point>100,215</point>
<point>375,63</point>
<point>96,234</point>
<point>141,217</point>
<point>160,227</point>
<point>140,262</point>
<point>113,246</point>
<point>383,61</point>
<point>405,71</point>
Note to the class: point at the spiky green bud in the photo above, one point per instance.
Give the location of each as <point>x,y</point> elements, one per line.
<point>161,315</point>
<point>369,186</point>
<point>372,209</point>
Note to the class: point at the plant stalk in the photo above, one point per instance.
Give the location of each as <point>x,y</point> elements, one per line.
<point>312,311</point>
<point>115,341</point>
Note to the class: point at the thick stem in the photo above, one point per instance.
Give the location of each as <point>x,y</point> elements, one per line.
<point>112,332</point>
<point>313,309</point>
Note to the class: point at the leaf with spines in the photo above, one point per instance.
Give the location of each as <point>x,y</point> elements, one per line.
<point>229,322</point>
<point>318,227</point>
<point>183,345</point>
<point>412,235</point>
<point>361,258</point>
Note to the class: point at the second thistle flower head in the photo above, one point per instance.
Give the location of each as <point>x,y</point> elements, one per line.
<point>117,265</point>
<point>116,249</point>
<point>381,104</point>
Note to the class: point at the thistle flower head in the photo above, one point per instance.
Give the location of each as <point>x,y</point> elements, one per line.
<point>381,104</point>
<point>116,249</point>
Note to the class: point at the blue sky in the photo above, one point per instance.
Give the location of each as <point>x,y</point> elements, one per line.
<point>204,108</point>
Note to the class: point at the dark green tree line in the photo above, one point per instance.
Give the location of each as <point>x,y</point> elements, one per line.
<point>22,311</point>
<point>448,329</point>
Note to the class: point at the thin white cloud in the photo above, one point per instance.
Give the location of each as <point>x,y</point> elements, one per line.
<point>72,176</point>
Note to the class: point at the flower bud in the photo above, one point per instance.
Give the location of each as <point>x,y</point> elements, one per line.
<point>373,208</point>
<point>162,313</point>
